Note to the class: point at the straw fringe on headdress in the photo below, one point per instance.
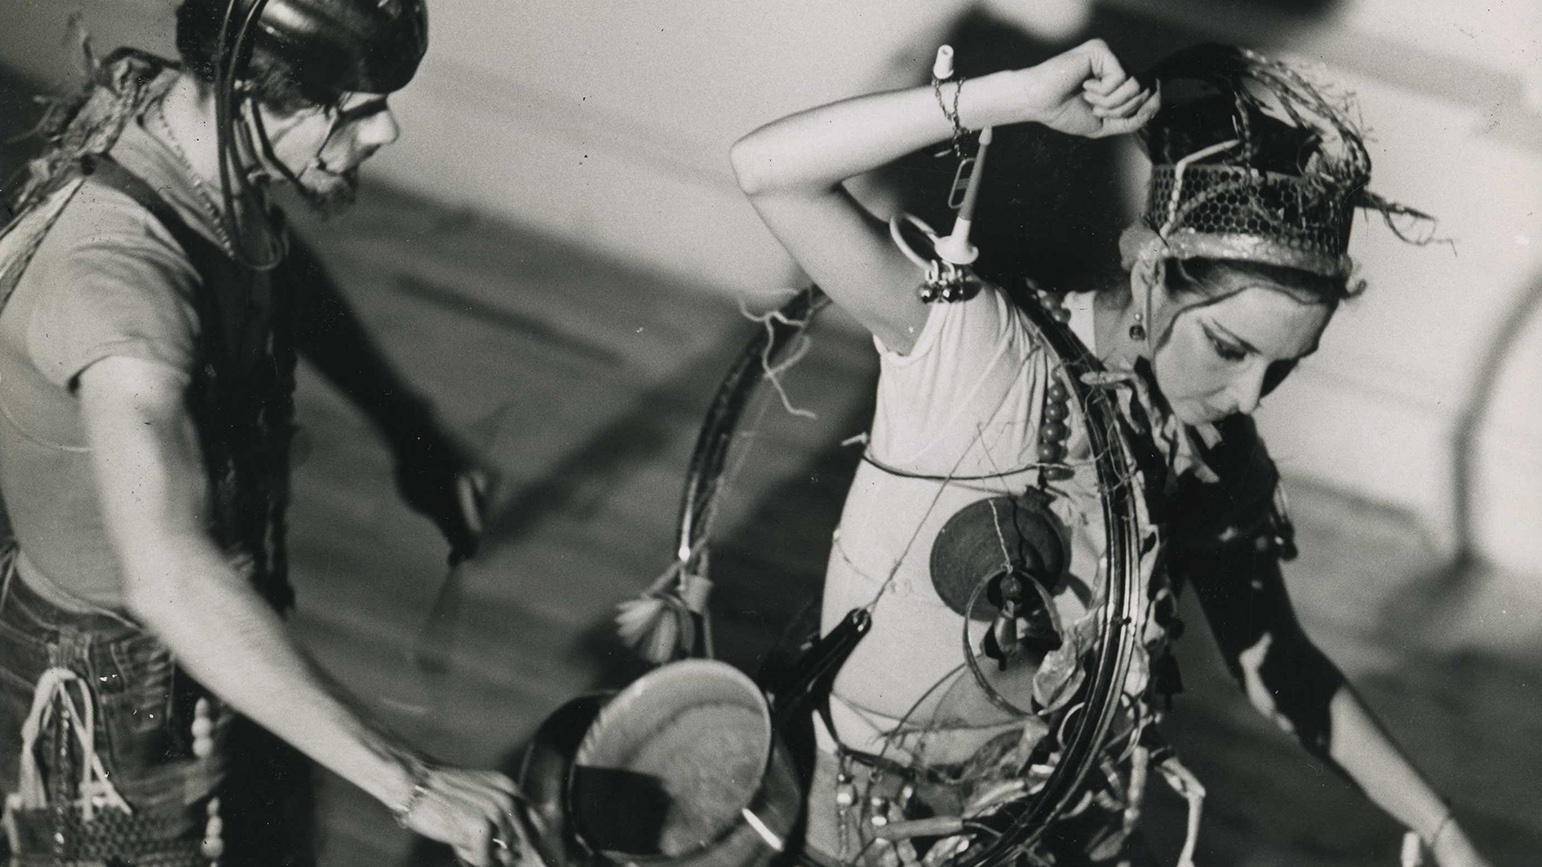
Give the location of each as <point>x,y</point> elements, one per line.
<point>1252,162</point>
<point>89,122</point>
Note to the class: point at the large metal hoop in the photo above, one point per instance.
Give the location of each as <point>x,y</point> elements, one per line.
<point>1115,467</point>
<point>1018,826</point>
<point>717,429</point>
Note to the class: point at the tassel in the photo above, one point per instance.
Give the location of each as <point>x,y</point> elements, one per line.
<point>658,627</point>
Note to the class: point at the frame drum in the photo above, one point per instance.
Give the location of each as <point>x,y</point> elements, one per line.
<point>684,767</point>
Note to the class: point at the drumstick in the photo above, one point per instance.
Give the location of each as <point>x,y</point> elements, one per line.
<point>436,638</point>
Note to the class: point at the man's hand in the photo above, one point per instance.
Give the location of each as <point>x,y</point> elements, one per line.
<point>473,812</point>
<point>1452,848</point>
<point>444,481</point>
<point>1085,92</point>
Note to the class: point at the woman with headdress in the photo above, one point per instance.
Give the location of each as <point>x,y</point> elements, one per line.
<point>978,507</point>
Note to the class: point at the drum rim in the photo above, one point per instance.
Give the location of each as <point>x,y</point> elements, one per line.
<point>630,693</point>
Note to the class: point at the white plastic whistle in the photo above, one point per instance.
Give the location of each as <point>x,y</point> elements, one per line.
<point>942,67</point>
<point>955,248</point>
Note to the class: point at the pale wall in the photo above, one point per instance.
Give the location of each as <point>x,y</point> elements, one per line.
<point>609,123</point>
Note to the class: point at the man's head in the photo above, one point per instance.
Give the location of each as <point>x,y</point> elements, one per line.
<point>316,73</point>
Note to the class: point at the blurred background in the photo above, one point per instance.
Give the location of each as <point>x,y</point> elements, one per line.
<point>557,253</point>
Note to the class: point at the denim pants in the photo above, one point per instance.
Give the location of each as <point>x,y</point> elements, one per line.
<point>98,764</point>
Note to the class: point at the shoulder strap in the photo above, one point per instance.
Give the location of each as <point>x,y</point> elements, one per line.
<point>107,171</point>
<point>222,320</point>
<point>46,211</point>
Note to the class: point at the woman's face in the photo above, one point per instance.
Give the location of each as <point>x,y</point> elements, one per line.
<point>1220,357</point>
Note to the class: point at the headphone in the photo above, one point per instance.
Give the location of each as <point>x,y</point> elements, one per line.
<point>327,46</point>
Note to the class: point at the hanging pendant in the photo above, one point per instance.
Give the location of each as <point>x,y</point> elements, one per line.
<point>213,845</point>
<point>203,729</point>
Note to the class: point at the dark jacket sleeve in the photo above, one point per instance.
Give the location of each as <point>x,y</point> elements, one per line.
<point>1229,538</point>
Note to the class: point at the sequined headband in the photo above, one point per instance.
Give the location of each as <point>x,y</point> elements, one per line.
<point>1216,202</point>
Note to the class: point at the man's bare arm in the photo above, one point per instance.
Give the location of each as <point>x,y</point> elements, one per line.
<point>154,497</point>
<point>436,473</point>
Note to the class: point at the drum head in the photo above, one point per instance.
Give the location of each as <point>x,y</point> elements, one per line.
<point>671,763</point>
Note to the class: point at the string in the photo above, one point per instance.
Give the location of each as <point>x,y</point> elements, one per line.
<point>867,458</point>
<point>800,348</point>
<point>936,496</point>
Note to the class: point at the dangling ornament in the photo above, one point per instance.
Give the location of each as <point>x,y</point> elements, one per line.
<point>662,623</point>
<point>1138,328</point>
<point>213,845</point>
<point>203,729</point>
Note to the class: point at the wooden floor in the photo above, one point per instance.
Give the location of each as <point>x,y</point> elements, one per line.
<point>585,381</point>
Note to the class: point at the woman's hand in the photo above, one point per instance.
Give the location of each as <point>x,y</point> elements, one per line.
<point>1084,92</point>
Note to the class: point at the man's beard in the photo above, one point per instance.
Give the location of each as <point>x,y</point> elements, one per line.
<point>329,193</point>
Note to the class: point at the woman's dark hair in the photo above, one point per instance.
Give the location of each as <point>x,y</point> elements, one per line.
<point>1205,276</point>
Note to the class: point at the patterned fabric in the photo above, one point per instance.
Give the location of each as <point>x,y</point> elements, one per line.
<point>145,708</point>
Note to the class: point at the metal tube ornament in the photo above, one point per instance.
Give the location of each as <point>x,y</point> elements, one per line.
<point>943,264</point>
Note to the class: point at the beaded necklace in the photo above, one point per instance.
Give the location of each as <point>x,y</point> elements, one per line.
<point>205,198</point>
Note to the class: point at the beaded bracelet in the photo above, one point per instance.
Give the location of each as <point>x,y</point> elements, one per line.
<point>418,771</point>
<point>952,113</point>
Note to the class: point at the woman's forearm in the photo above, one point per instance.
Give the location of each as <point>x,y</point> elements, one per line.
<point>1082,92</point>
<point>1363,749</point>
<point>817,149</point>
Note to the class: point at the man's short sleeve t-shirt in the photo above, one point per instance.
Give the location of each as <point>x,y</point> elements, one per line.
<point>108,280</point>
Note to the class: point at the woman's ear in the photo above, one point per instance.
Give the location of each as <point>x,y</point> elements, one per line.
<point>1134,243</point>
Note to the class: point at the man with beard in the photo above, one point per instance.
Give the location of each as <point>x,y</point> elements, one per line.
<point>153,710</point>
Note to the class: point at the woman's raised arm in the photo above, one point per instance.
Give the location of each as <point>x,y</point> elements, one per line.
<point>793,169</point>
